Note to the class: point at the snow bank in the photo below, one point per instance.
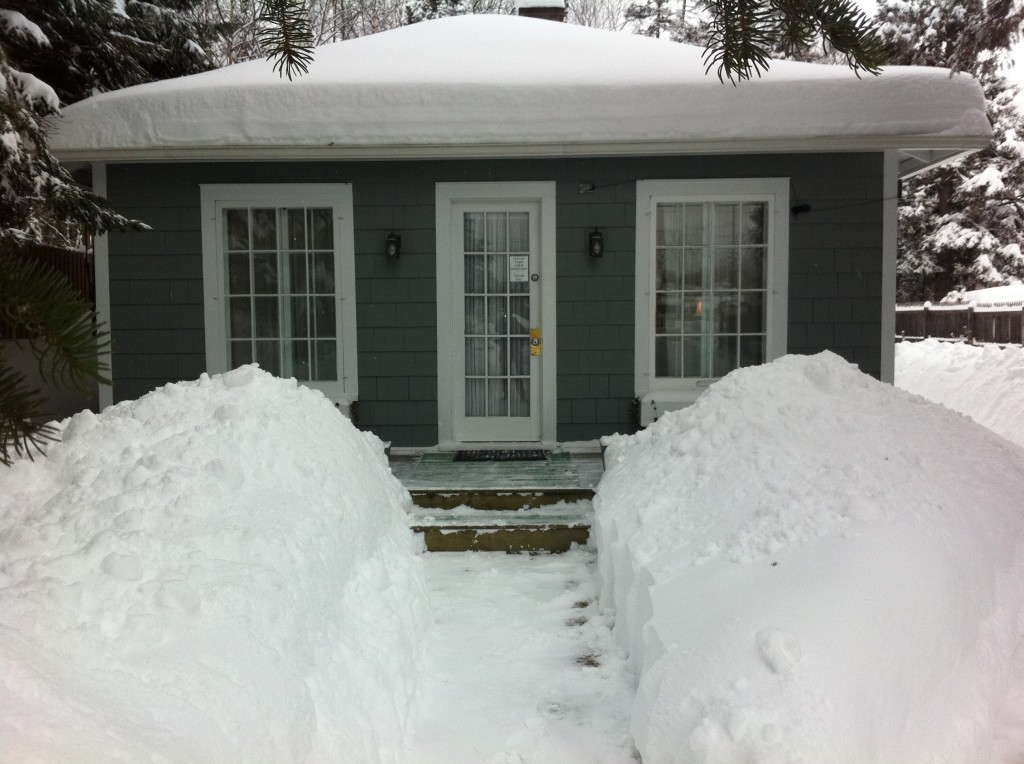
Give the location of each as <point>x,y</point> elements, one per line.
<point>985,383</point>
<point>219,571</point>
<point>810,566</point>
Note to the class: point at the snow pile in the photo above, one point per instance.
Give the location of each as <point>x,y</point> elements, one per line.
<point>219,571</point>
<point>985,383</point>
<point>512,81</point>
<point>808,565</point>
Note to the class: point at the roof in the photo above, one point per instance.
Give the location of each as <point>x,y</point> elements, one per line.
<point>507,85</point>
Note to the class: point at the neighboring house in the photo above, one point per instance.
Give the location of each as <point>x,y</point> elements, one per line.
<point>503,229</point>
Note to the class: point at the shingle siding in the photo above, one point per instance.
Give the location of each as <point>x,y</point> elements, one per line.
<point>156,276</point>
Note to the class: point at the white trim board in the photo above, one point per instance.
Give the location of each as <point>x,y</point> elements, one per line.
<point>101,269</point>
<point>939,149</point>
<point>447,196</point>
<point>336,195</point>
<point>890,209</point>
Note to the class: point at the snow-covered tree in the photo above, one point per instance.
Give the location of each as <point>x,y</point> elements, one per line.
<point>422,10</point>
<point>653,18</point>
<point>962,225</point>
<point>51,54</point>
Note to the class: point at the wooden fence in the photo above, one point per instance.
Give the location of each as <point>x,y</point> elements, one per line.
<point>1001,323</point>
<point>77,266</point>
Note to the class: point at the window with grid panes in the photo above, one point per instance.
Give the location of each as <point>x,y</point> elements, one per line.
<point>709,287</point>
<point>281,290</point>
<point>278,282</point>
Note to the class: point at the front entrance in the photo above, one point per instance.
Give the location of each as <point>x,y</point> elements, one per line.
<point>495,312</point>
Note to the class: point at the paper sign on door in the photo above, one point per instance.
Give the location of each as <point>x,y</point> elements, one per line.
<point>518,268</point>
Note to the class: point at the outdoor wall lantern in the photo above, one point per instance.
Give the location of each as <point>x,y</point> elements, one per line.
<point>595,243</point>
<point>393,245</point>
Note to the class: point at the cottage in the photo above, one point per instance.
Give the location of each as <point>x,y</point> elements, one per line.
<point>504,229</point>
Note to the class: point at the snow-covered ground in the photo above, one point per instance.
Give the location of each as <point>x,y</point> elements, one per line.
<point>808,565</point>
<point>985,383</point>
<point>521,665</point>
<point>805,566</point>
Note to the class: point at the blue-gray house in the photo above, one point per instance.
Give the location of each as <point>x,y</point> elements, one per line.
<point>505,229</point>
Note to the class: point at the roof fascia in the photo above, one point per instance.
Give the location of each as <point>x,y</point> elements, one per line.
<point>936,148</point>
<point>915,161</point>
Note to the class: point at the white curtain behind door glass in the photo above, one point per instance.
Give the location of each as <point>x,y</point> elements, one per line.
<point>497,315</point>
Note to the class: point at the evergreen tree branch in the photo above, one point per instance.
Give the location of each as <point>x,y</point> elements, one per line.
<point>285,35</point>
<point>21,430</point>
<point>41,303</point>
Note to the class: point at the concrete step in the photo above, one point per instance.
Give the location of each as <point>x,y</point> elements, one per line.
<point>551,529</point>
<point>495,499</point>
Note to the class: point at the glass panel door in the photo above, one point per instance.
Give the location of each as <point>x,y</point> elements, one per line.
<point>496,265</point>
<point>497,291</point>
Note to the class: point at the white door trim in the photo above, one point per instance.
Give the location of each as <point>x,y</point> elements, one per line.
<point>448,195</point>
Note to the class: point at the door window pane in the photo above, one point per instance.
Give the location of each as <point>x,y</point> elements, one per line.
<point>473,232</point>
<point>474,266</point>
<point>323,228</point>
<point>264,229</point>
<point>497,274</point>
<point>240,318</point>
<point>264,272</point>
<point>752,268</point>
<point>519,397</point>
<point>237,228</point>
<point>476,363</point>
<point>519,232</point>
<point>475,315</point>
<point>323,273</point>
<point>753,223</point>
<point>476,397</point>
<point>497,397</point>
<point>497,228</point>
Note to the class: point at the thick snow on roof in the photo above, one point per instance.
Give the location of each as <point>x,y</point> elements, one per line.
<point>505,80</point>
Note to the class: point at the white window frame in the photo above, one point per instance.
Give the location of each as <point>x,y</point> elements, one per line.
<point>660,394</point>
<point>338,196</point>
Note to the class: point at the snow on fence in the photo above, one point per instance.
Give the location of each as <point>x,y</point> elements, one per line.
<point>999,322</point>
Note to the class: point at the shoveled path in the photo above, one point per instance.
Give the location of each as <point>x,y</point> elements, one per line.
<point>521,667</point>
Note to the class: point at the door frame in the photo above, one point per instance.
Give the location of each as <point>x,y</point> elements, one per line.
<point>447,196</point>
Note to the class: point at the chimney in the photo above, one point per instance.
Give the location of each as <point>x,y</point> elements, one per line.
<point>552,10</point>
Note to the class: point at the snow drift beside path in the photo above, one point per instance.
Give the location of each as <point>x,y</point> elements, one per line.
<point>219,571</point>
<point>985,383</point>
<point>808,565</point>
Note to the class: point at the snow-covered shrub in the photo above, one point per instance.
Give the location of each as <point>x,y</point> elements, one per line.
<point>219,571</point>
<point>808,565</point>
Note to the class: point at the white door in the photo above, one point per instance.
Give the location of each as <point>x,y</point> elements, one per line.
<point>497,321</point>
<point>496,312</point>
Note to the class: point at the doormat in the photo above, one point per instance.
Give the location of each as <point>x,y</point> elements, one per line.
<point>527,455</point>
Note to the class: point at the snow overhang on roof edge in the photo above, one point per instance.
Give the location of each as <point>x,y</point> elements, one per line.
<point>493,86</point>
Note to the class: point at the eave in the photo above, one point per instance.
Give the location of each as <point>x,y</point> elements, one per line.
<point>916,153</point>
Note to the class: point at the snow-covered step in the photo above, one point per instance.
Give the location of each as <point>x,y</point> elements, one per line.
<point>491,499</point>
<point>551,528</point>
